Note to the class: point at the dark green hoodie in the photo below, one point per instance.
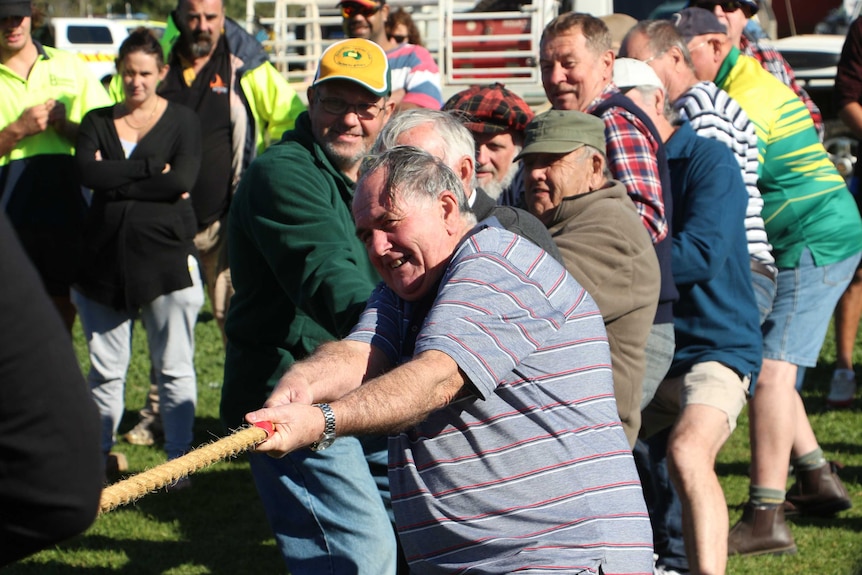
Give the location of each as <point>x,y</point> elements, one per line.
<point>301,275</point>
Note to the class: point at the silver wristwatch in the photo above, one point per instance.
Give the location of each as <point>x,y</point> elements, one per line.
<point>328,429</point>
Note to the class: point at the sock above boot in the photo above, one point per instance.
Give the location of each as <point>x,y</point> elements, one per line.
<point>764,496</point>
<point>810,461</point>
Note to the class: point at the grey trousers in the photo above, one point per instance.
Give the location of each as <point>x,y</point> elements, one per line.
<point>169,321</point>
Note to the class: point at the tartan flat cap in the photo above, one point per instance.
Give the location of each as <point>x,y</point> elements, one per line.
<point>491,109</point>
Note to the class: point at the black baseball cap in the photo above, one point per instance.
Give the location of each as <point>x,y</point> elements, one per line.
<point>21,8</point>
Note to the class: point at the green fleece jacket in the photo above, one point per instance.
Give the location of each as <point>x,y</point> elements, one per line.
<point>301,275</point>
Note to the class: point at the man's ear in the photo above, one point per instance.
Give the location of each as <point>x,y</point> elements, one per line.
<point>715,44</point>
<point>606,60</point>
<point>450,211</point>
<point>658,97</point>
<point>466,170</point>
<point>677,57</point>
<point>597,171</point>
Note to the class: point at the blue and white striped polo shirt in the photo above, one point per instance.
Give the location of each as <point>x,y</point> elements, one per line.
<point>531,472</point>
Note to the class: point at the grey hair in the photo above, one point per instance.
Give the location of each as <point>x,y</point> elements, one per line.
<point>411,173</point>
<point>667,109</point>
<point>459,140</point>
<point>596,32</point>
<point>587,150</point>
<point>661,36</point>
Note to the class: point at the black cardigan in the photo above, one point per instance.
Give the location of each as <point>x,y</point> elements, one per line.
<point>139,232</point>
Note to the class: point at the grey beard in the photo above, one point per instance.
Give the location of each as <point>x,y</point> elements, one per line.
<point>339,160</point>
<point>201,46</point>
<point>495,188</point>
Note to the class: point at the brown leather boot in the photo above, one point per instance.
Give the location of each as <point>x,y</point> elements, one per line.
<point>761,531</point>
<point>818,492</point>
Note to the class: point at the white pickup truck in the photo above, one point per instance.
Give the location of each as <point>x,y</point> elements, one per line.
<point>95,40</point>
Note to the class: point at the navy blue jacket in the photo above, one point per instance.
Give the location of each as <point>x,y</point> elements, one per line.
<point>716,317</point>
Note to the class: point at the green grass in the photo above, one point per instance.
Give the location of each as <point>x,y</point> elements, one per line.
<point>826,546</point>
<point>218,525</point>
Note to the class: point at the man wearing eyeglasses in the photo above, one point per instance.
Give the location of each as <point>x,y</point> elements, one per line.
<point>715,115</point>
<point>415,75</point>
<point>302,278</point>
<point>735,14</point>
<point>712,114</point>
<point>815,231</point>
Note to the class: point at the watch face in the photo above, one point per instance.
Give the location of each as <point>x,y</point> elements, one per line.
<point>327,441</point>
<point>322,444</point>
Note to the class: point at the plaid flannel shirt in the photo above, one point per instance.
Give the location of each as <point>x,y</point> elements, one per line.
<point>631,152</point>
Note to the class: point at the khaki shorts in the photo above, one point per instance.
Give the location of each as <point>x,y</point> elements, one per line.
<point>709,383</point>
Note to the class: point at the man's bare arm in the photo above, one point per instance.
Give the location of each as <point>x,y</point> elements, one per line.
<point>394,401</point>
<point>334,369</point>
<point>32,120</point>
<point>851,115</point>
<point>401,398</point>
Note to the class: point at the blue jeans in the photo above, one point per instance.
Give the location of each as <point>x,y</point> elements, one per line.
<point>805,299</point>
<point>169,321</point>
<point>663,503</point>
<point>764,295</point>
<point>326,511</point>
<point>659,354</point>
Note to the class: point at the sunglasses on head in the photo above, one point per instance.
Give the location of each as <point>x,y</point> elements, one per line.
<point>351,10</point>
<point>727,6</point>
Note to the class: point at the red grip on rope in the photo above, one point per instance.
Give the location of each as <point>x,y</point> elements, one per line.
<point>266,426</point>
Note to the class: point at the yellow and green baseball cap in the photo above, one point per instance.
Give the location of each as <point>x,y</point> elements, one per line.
<point>357,60</point>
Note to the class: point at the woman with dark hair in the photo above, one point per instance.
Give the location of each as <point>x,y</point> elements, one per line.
<point>401,28</point>
<point>140,157</point>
